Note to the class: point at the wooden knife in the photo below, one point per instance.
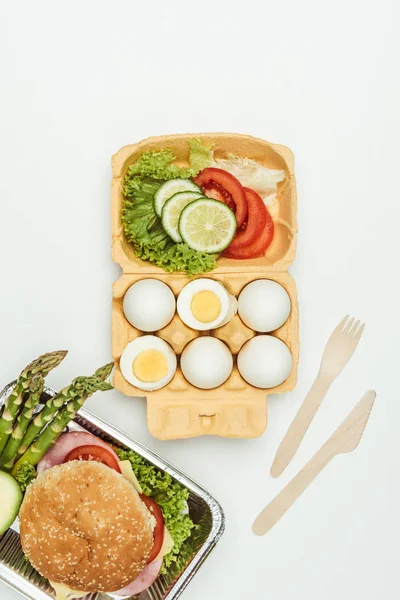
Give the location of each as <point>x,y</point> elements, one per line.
<point>345,439</point>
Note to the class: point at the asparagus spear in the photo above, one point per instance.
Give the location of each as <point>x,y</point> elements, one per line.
<point>34,393</point>
<point>104,372</point>
<point>79,390</point>
<point>43,364</point>
<point>52,406</point>
<point>42,418</point>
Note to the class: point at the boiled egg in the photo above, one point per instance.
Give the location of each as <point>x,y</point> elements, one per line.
<point>149,304</point>
<point>148,363</point>
<point>264,361</point>
<point>206,362</point>
<point>206,304</point>
<point>264,305</point>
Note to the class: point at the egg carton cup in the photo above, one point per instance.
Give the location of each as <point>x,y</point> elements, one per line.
<point>234,409</point>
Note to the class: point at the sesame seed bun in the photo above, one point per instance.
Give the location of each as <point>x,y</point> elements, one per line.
<point>84,525</point>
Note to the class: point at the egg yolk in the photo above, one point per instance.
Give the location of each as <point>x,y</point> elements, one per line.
<point>150,366</point>
<point>205,306</point>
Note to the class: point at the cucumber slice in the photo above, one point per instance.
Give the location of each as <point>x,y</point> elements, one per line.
<point>171,187</point>
<point>172,211</point>
<point>10,500</point>
<point>207,225</point>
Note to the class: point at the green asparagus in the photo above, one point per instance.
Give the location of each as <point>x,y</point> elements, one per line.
<point>104,372</point>
<point>33,398</point>
<point>42,418</point>
<point>52,406</point>
<point>79,390</point>
<point>43,364</point>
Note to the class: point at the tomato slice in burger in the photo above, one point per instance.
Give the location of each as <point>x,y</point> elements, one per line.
<point>256,248</point>
<point>96,453</point>
<point>158,532</point>
<point>255,224</point>
<point>221,185</point>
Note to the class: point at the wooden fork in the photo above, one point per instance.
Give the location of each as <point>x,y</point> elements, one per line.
<point>338,351</point>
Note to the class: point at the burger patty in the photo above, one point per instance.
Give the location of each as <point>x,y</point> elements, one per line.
<point>84,525</point>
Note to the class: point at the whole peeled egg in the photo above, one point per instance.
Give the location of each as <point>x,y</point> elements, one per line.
<point>206,362</point>
<point>149,304</point>
<point>264,361</point>
<point>264,305</point>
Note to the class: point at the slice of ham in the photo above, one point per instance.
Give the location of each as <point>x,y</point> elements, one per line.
<point>146,578</point>
<point>67,442</point>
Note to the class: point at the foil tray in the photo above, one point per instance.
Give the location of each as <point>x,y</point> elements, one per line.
<point>204,510</point>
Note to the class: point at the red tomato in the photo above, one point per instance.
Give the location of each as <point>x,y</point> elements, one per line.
<point>97,453</point>
<point>256,221</point>
<point>216,191</point>
<point>256,248</point>
<point>158,532</point>
<point>221,185</point>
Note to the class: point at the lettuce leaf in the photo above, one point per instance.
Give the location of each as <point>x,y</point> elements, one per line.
<point>169,495</point>
<point>200,156</point>
<point>25,474</point>
<point>143,228</point>
<point>252,174</point>
<point>159,164</point>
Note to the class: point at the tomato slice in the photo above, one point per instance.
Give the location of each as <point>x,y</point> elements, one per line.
<point>158,532</point>
<point>256,248</point>
<point>216,191</point>
<point>97,453</point>
<point>256,221</point>
<point>221,185</point>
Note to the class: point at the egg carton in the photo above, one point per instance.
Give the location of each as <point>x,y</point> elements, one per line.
<point>234,409</point>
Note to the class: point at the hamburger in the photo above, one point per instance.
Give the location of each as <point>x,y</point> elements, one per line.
<point>95,517</point>
<point>83,525</point>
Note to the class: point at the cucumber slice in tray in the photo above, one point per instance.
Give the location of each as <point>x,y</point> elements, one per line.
<point>171,187</point>
<point>172,209</point>
<point>10,500</point>
<point>207,225</point>
<point>204,224</point>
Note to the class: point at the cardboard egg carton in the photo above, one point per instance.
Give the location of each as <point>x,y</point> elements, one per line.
<point>235,409</point>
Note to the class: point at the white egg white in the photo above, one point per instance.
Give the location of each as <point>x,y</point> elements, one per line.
<point>134,348</point>
<point>149,304</point>
<point>265,361</point>
<point>228,303</point>
<point>206,362</point>
<point>264,305</point>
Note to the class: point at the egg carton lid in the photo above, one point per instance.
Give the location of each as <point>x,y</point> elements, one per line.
<point>283,210</point>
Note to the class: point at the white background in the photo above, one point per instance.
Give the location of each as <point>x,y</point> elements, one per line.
<point>81,79</point>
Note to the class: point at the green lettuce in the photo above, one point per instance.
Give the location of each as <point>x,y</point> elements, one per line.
<point>170,496</point>
<point>25,474</point>
<point>200,156</point>
<point>143,228</point>
<point>159,164</point>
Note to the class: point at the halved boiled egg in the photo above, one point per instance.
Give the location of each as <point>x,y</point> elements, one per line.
<point>148,363</point>
<point>206,304</point>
